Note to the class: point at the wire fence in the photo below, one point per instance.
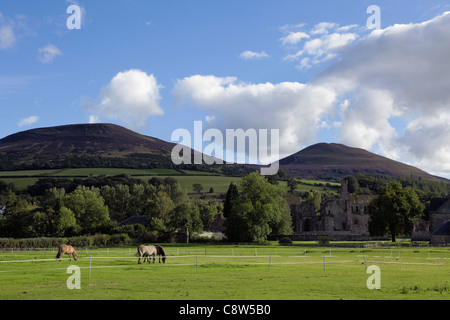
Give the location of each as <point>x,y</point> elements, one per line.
<point>101,261</point>
<point>242,251</point>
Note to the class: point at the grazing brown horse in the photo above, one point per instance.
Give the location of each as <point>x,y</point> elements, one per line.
<point>161,253</point>
<point>66,249</point>
<point>148,251</point>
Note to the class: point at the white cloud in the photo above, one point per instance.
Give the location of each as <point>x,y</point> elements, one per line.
<point>94,118</point>
<point>294,108</point>
<point>13,30</point>
<point>131,97</point>
<point>7,37</point>
<point>347,28</point>
<point>388,93</point>
<point>425,141</point>
<point>48,53</point>
<point>28,121</point>
<point>323,27</point>
<point>250,55</point>
<point>397,74</point>
<point>294,37</point>
<point>323,49</point>
<point>323,42</point>
<point>361,128</point>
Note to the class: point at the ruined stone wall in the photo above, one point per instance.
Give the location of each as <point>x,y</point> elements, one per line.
<point>343,217</point>
<point>300,213</point>
<point>337,209</point>
<point>359,223</point>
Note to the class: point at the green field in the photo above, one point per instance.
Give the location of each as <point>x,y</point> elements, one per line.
<point>251,272</point>
<point>186,178</point>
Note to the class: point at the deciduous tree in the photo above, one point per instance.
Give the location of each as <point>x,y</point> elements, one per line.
<point>393,211</point>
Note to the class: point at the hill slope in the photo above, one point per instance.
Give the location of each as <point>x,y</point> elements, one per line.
<point>82,145</point>
<point>336,161</point>
<point>93,146</point>
<point>112,146</point>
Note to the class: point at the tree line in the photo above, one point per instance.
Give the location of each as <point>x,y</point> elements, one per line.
<point>399,202</point>
<point>254,209</point>
<point>372,185</point>
<point>87,209</point>
<point>68,208</point>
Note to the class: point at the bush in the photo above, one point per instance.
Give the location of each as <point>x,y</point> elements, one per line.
<point>285,240</point>
<point>98,240</point>
<point>9,243</point>
<point>118,239</point>
<point>101,239</point>
<point>80,241</point>
<point>323,240</point>
<point>6,243</point>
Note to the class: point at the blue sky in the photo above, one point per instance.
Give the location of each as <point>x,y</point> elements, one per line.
<point>309,68</point>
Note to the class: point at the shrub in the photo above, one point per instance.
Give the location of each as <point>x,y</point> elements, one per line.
<point>118,239</point>
<point>285,240</point>
<point>323,240</point>
<point>101,239</point>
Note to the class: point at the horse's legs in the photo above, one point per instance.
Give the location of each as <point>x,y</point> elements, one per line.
<point>139,261</point>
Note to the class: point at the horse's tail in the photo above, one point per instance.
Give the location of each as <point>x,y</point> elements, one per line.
<point>58,255</point>
<point>74,254</point>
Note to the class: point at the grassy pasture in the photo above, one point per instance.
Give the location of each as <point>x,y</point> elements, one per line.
<point>232,273</point>
<point>23,179</point>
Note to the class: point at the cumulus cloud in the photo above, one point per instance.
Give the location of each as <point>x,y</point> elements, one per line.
<point>323,27</point>
<point>397,73</point>
<point>251,55</point>
<point>426,141</point>
<point>48,53</point>
<point>293,108</point>
<point>387,91</point>
<point>130,97</point>
<point>322,43</point>
<point>294,37</point>
<point>359,125</point>
<point>28,121</point>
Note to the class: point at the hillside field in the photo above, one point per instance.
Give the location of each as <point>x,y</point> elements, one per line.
<point>186,178</point>
<point>230,272</point>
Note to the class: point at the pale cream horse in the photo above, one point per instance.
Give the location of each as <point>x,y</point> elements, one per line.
<point>148,251</point>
